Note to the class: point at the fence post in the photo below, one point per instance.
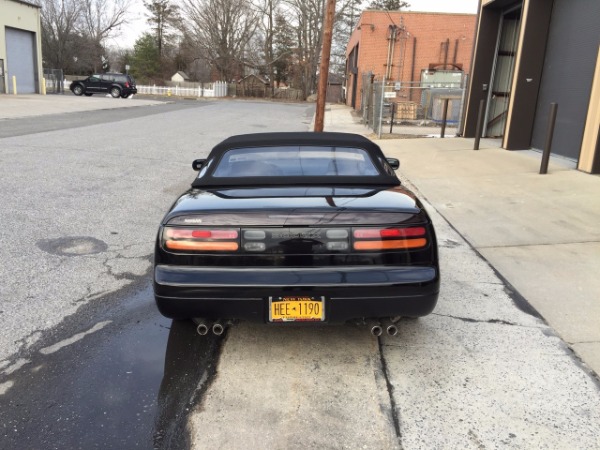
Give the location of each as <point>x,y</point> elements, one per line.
<point>479,128</point>
<point>549,135</point>
<point>380,125</point>
<point>444,118</point>
<point>392,117</point>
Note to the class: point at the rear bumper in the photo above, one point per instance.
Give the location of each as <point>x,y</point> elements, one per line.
<point>350,292</point>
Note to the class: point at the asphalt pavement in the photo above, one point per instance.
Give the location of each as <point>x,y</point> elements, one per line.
<point>484,370</point>
<point>540,232</point>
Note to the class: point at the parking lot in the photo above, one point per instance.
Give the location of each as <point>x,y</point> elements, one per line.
<point>83,192</point>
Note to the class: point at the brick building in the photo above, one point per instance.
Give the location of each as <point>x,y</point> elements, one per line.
<point>402,45</point>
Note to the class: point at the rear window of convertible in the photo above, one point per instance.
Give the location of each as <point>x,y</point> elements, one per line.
<point>295,161</point>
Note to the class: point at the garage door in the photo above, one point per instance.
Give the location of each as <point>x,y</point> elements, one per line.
<point>571,55</point>
<point>20,60</point>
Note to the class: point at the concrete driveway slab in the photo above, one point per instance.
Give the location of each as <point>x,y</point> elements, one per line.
<point>533,270</point>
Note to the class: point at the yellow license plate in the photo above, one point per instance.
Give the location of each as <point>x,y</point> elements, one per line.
<point>296,309</point>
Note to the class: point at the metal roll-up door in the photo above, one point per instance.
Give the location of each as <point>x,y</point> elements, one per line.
<point>20,60</point>
<point>571,54</point>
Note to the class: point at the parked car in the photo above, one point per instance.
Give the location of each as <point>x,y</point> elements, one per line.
<point>115,84</point>
<point>296,227</point>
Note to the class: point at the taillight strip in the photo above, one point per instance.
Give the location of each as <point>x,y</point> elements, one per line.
<point>202,246</point>
<point>378,233</point>
<point>201,239</point>
<point>182,233</point>
<point>400,244</point>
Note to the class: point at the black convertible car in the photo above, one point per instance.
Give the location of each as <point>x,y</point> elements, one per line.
<point>296,227</point>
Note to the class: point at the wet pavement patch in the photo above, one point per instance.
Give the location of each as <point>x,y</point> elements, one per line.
<point>72,246</point>
<point>131,383</point>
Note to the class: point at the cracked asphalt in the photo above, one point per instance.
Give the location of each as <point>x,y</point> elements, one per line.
<point>86,361</point>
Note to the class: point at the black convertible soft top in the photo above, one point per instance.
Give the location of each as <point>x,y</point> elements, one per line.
<point>386,175</point>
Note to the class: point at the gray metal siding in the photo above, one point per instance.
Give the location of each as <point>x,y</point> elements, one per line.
<point>20,60</point>
<point>569,65</point>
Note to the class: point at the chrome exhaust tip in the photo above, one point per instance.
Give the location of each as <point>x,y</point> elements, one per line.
<point>375,328</point>
<point>218,328</point>
<point>202,327</point>
<point>390,327</point>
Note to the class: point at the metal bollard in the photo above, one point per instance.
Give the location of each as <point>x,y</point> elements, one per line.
<point>479,128</point>
<point>549,135</point>
<point>444,118</point>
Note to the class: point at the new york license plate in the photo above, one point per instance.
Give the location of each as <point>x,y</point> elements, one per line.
<point>296,309</point>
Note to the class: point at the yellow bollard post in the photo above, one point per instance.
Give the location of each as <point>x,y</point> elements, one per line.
<point>43,86</point>
<point>14,80</point>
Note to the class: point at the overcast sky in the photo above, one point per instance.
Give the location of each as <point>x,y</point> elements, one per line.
<point>457,6</point>
<point>138,23</point>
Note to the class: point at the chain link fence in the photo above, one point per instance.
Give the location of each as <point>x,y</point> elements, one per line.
<point>411,108</point>
<point>54,81</point>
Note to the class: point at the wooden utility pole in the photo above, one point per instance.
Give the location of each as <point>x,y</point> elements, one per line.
<point>324,67</point>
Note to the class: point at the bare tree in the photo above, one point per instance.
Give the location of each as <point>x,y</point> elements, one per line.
<point>309,33</point>
<point>347,15</point>
<point>59,26</point>
<point>74,32</point>
<point>221,30</point>
<point>267,10</point>
<point>102,18</point>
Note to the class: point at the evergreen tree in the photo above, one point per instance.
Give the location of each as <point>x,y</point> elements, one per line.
<point>389,5</point>
<point>145,62</point>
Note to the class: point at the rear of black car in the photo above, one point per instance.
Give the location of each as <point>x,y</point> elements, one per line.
<point>296,259</point>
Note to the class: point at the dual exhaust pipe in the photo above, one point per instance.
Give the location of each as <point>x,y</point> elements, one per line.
<point>203,327</point>
<point>377,328</point>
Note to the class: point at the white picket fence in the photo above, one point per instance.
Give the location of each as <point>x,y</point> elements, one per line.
<point>216,89</point>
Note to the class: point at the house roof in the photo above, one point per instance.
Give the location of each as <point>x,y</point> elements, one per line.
<point>261,79</point>
<point>27,3</point>
<point>182,75</point>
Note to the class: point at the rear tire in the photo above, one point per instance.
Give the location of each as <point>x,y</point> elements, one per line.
<point>115,92</point>
<point>78,90</point>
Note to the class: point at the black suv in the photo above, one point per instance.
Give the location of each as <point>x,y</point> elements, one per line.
<point>115,84</point>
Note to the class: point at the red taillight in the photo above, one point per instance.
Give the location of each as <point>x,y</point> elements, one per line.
<point>369,239</point>
<point>127,84</point>
<point>376,233</point>
<point>215,234</point>
<point>191,239</point>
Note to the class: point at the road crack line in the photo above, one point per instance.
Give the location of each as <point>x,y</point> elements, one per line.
<point>390,389</point>
<point>492,321</point>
